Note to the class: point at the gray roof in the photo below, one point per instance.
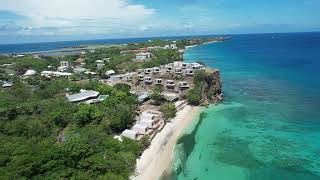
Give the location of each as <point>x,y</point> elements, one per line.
<point>142,96</point>
<point>82,96</point>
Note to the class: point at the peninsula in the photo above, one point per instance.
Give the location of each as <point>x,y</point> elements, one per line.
<point>109,112</point>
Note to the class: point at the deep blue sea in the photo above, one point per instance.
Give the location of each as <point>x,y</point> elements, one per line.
<point>268,127</point>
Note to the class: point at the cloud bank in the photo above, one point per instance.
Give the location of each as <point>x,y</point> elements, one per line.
<point>76,16</point>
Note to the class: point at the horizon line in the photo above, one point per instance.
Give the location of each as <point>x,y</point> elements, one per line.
<point>155,37</point>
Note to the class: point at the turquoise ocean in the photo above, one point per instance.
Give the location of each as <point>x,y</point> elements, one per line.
<point>268,127</point>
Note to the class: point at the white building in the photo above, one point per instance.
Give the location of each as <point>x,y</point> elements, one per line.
<point>110,72</point>
<point>173,46</point>
<point>79,70</point>
<point>55,74</point>
<point>143,56</point>
<point>141,128</point>
<point>148,80</point>
<point>158,81</point>
<point>30,72</point>
<point>64,65</point>
<point>82,96</point>
<point>130,134</point>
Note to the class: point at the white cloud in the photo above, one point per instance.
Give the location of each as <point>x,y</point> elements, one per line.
<point>88,16</point>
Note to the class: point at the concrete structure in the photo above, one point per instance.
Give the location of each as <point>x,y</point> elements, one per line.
<point>173,46</point>
<point>189,72</point>
<point>143,56</point>
<point>156,70</point>
<point>140,128</point>
<point>55,74</point>
<point>98,100</point>
<point>158,81</point>
<point>7,84</point>
<point>30,72</point>
<point>100,64</point>
<point>183,85</point>
<point>148,123</point>
<point>110,72</point>
<point>170,84</point>
<point>64,65</point>
<point>130,134</point>
<point>148,70</point>
<point>142,96</point>
<point>79,70</point>
<point>172,97</point>
<point>147,80</point>
<point>82,96</point>
<point>141,77</point>
<point>178,71</point>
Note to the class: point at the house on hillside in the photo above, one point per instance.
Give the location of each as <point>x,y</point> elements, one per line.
<point>143,56</point>
<point>82,96</point>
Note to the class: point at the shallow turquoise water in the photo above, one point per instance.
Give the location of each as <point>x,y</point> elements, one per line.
<point>268,126</point>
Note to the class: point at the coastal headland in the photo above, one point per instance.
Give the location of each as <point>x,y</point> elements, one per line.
<point>107,104</point>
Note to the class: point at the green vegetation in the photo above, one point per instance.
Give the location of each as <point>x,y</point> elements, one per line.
<point>32,120</point>
<point>43,136</point>
<point>169,111</point>
<point>193,97</point>
<point>157,96</point>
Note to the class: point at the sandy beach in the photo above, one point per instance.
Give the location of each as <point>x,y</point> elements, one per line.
<point>156,159</point>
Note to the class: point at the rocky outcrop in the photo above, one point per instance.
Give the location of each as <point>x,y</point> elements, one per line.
<point>211,87</point>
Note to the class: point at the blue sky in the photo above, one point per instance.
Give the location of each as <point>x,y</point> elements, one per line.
<point>56,20</point>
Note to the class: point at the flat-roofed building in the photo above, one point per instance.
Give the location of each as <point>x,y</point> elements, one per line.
<point>178,71</point>
<point>130,134</point>
<point>158,81</point>
<point>143,56</point>
<point>183,85</point>
<point>170,84</point>
<point>148,70</point>
<point>82,96</point>
<point>141,128</point>
<point>189,72</point>
<point>156,70</point>
<point>148,80</point>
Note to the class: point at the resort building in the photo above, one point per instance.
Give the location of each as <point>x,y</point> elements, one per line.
<point>148,80</point>
<point>170,84</point>
<point>141,77</point>
<point>156,70</point>
<point>130,134</point>
<point>196,66</point>
<point>55,74</point>
<point>142,97</point>
<point>140,128</point>
<point>110,72</point>
<point>189,72</point>
<point>178,71</point>
<point>173,46</point>
<point>158,81</point>
<point>29,73</point>
<point>100,64</point>
<point>183,85</point>
<point>148,70</point>
<point>143,56</point>
<point>64,65</point>
<point>79,70</point>
<point>82,96</point>
<point>7,84</point>
<point>148,123</point>
<point>98,100</point>
<point>171,97</point>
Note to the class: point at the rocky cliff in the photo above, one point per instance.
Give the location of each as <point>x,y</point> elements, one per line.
<point>211,87</point>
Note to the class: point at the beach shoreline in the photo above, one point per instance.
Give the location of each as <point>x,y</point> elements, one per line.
<point>157,158</point>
